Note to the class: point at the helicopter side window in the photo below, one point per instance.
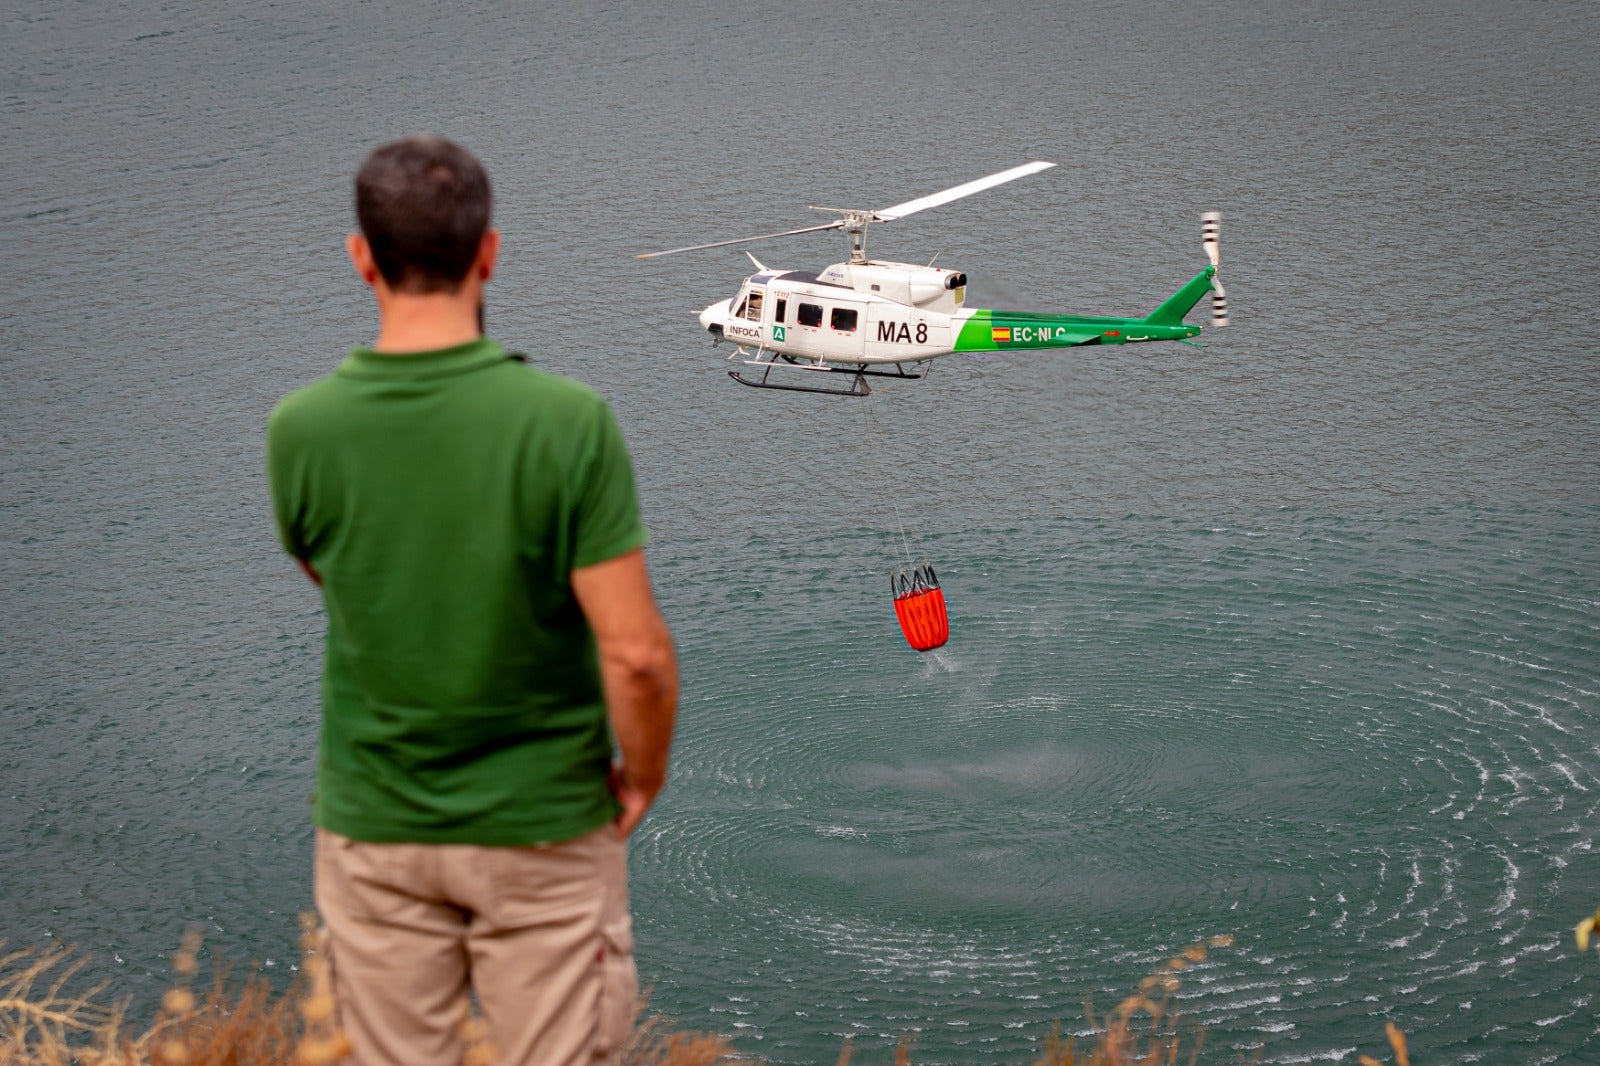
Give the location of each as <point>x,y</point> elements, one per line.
<point>783,309</point>
<point>843,320</point>
<point>810,315</point>
<point>752,306</point>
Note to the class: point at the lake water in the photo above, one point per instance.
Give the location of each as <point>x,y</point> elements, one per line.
<point>1295,637</point>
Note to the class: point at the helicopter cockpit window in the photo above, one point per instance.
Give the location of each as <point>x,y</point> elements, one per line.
<point>844,319</point>
<point>810,315</point>
<point>752,306</point>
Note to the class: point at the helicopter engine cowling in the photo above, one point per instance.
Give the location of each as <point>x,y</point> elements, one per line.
<point>928,287</point>
<point>948,285</point>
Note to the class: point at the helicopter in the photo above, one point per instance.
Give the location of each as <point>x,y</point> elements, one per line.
<point>869,318</point>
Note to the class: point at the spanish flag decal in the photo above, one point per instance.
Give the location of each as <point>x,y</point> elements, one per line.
<point>1000,333</point>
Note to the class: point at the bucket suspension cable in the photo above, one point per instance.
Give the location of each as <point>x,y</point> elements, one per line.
<point>870,418</point>
<point>914,588</point>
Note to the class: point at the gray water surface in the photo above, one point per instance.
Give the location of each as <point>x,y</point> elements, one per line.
<point>1292,637</point>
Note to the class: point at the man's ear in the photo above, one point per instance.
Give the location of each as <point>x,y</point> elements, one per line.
<point>488,253</point>
<point>360,252</point>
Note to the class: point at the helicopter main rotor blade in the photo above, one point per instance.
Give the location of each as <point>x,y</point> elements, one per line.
<point>742,240</point>
<point>855,221</point>
<point>925,202</point>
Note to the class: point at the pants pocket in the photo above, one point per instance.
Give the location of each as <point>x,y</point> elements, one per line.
<point>619,986</point>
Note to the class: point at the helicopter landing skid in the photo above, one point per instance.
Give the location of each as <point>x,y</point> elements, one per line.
<point>857,386</point>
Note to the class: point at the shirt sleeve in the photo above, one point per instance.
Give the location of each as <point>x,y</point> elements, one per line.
<point>607,523</point>
<point>285,483</point>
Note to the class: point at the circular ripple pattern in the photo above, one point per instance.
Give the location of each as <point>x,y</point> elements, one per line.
<point>1363,747</point>
<point>1360,747</point>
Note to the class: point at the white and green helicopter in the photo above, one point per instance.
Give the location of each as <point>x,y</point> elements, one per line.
<point>866,318</point>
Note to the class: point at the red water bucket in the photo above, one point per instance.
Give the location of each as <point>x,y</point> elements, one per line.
<point>919,605</point>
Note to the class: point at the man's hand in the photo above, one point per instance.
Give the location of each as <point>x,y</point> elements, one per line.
<point>635,801</point>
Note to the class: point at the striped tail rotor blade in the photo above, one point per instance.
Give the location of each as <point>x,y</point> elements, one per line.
<point>1210,233</point>
<point>1219,305</point>
<point>1210,228</point>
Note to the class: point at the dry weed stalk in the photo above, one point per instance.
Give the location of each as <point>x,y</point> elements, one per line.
<point>1397,1042</point>
<point>655,1043</point>
<point>1142,1030</point>
<point>40,1022</point>
<point>321,1042</point>
<point>1586,928</point>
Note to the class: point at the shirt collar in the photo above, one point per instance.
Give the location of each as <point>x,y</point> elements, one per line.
<point>441,362</point>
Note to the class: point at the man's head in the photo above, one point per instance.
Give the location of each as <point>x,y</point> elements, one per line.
<point>423,205</point>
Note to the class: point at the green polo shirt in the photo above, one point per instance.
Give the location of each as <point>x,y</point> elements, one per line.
<point>445,499</point>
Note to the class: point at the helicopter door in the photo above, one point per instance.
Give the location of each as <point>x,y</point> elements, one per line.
<point>826,329</point>
<point>805,336</point>
<point>845,330</point>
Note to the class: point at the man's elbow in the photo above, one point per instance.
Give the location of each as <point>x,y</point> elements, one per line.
<point>645,659</point>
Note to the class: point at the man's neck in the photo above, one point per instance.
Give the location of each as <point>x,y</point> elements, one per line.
<point>425,323</point>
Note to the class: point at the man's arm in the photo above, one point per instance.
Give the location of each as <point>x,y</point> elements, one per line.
<point>640,674</point>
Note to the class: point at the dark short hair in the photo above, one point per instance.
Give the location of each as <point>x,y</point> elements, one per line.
<point>423,205</point>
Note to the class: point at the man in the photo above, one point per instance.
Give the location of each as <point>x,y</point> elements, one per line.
<point>499,688</point>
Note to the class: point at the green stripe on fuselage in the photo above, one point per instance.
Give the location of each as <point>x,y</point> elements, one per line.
<point>989,330</point>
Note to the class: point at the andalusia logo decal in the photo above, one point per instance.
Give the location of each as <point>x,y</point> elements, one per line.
<point>777,333</point>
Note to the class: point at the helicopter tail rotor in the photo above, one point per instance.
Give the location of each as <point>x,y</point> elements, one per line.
<point>1210,229</point>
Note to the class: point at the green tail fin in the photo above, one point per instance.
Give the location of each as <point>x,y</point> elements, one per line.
<point>1181,302</point>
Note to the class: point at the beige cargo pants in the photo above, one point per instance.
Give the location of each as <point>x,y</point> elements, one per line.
<point>541,935</point>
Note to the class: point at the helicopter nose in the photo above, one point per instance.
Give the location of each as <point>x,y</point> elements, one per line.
<point>711,317</point>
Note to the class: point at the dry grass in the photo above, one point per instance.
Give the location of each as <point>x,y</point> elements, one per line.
<point>1144,1029</point>
<point>230,1024</point>
<point>245,1023</point>
<point>234,1023</point>
<point>656,1043</point>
